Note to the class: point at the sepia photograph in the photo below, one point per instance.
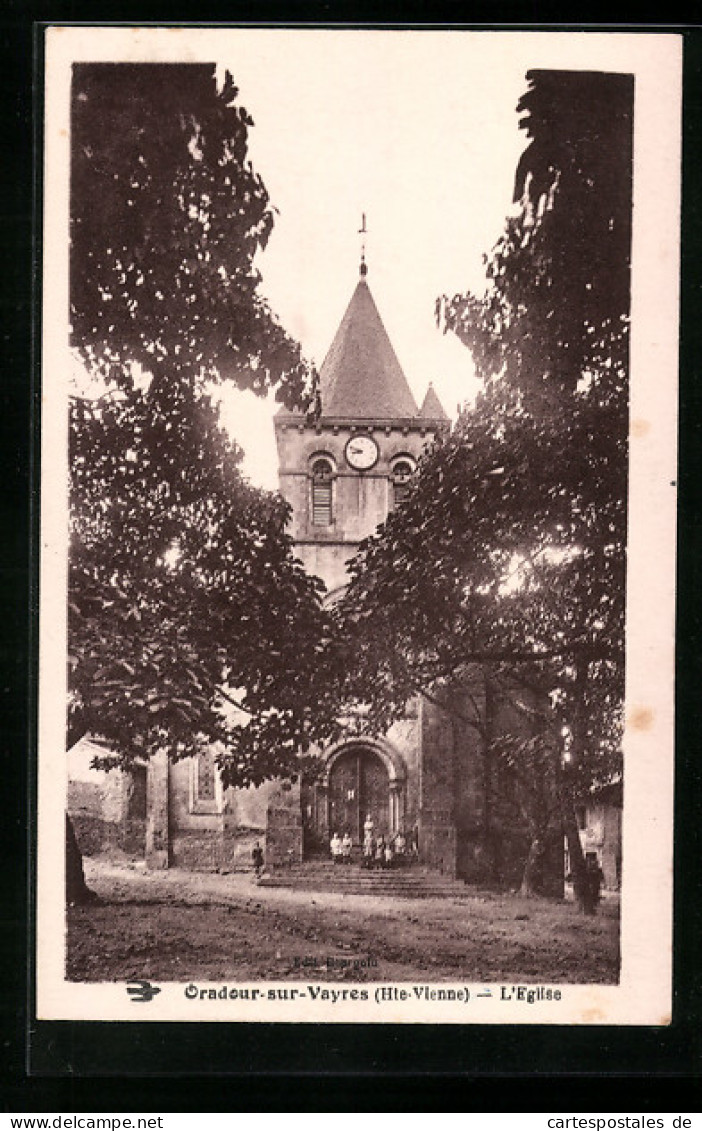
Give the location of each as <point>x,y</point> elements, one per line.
<point>359,391</point>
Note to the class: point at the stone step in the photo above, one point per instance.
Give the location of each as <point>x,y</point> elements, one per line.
<point>328,868</point>
<point>420,892</point>
<point>371,878</point>
<point>348,879</point>
<point>344,874</point>
<point>309,881</point>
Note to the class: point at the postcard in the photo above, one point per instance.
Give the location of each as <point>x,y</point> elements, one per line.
<point>358,522</point>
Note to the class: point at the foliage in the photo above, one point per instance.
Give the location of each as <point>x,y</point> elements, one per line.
<point>510,550</point>
<point>167,215</point>
<point>498,559</point>
<point>558,278</point>
<point>190,620</point>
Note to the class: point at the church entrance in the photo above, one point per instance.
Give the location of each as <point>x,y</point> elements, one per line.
<point>358,786</point>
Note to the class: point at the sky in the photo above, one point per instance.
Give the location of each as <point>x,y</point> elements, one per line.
<point>417,129</point>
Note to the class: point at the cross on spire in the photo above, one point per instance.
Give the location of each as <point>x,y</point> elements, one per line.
<point>363,232</point>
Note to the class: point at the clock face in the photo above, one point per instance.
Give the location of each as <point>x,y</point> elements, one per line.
<point>361,452</point>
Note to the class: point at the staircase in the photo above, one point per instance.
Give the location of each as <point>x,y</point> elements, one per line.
<point>409,882</point>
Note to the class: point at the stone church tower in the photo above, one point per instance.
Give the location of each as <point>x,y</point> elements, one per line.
<point>342,474</point>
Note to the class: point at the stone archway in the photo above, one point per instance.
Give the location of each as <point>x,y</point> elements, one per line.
<point>364,777</point>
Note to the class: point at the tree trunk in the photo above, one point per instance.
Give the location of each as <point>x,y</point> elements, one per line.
<point>528,885</point>
<point>575,852</point>
<point>575,848</point>
<point>488,776</point>
<point>77,891</point>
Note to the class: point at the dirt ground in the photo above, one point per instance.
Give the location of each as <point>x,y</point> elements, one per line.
<point>177,926</point>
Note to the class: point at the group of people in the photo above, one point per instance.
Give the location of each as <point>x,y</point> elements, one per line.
<point>381,853</point>
<point>378,851</point>
<point>340,847</point>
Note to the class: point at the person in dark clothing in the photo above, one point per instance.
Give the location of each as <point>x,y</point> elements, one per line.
<point>257,858</point>
<point>592,883</point>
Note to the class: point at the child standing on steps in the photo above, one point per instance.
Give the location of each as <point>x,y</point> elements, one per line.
<point>368,849</point>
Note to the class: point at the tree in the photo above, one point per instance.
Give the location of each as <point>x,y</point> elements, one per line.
<point>188,615</point>
<point>510,550</point>
<point>474,569</point>
<point>558,278</point>
<point>190,620</point>
<point>552,332</point>
<point>167,216</point>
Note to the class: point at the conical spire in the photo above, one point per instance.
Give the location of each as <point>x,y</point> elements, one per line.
<point>361,378</point>
<point>432,408</point>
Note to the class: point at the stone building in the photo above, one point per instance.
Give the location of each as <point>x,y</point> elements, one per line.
<point>429,776</point>
<point>342,473</point>
<point>600,823</point>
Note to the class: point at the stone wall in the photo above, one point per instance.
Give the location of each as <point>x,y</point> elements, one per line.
<point>85,810</point>
<point>437,829</point>
<point>474,855</point>
<point>215,850</point>
<point>603,834</point>
<point>284,833</point>
<point>611,855</point>
<point>107,809</point>
<point>360,502</point>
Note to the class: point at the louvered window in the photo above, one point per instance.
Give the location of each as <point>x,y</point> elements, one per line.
<point>322,473</point>
<point>401,480</point>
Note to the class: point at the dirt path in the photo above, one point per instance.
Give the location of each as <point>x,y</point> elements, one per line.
<point>176,926</point>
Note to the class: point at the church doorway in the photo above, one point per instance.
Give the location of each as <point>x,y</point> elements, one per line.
<point>359,785</point>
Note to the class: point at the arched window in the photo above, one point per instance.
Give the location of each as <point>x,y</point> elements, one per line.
<point>322,475</point>
<point>402,472</point>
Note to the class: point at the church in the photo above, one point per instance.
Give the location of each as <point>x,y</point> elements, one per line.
<point>429,777</point>
<point>342,474</point>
